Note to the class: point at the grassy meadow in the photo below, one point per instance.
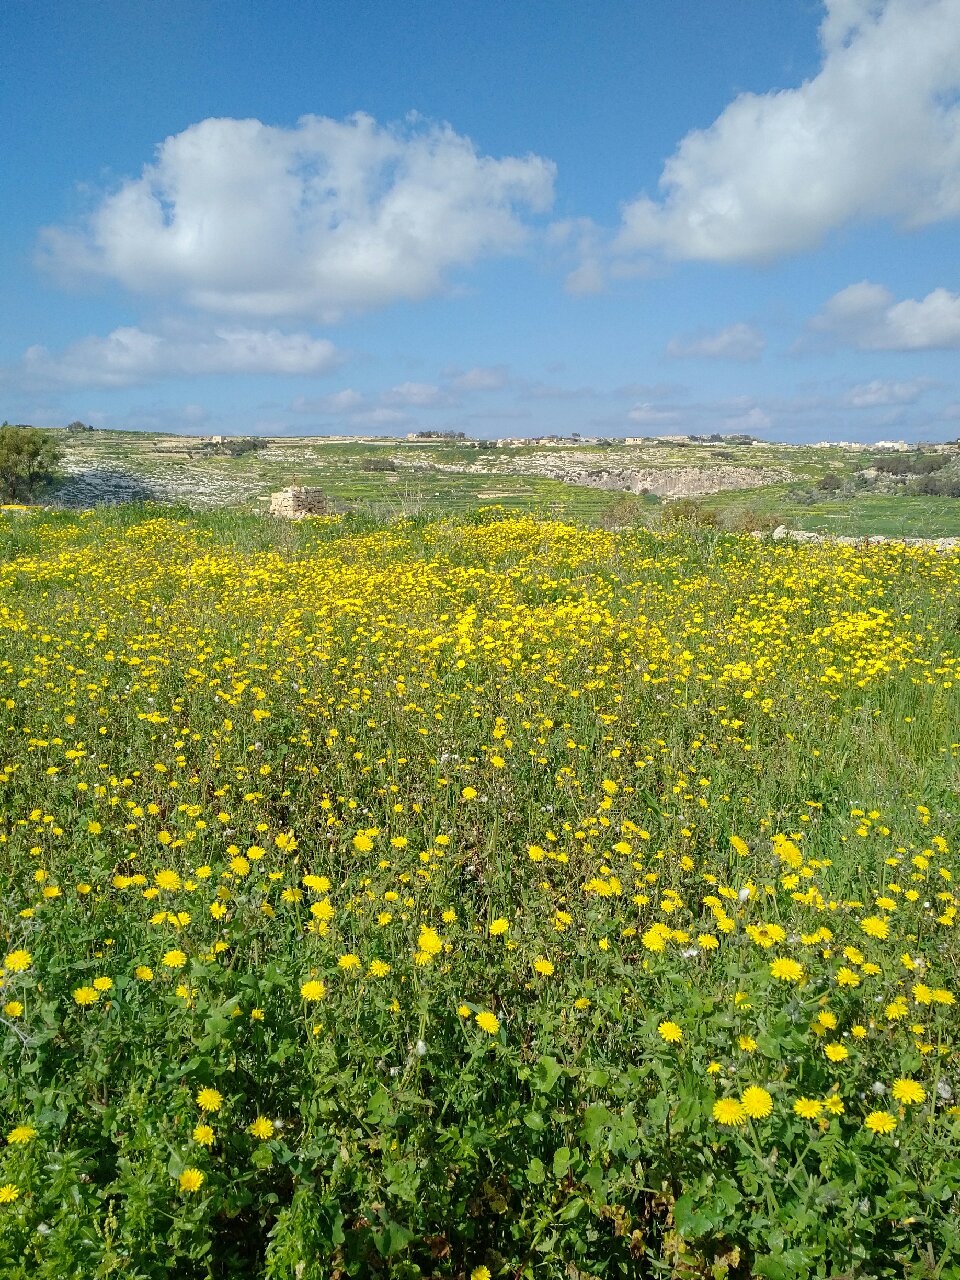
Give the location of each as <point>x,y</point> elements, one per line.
<point>480,896</point>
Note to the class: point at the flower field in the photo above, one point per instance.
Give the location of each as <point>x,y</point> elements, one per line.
<point>489,897</point>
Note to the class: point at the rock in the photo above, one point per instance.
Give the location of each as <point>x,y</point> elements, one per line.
<point>296,502</point>
<point>781,531</point>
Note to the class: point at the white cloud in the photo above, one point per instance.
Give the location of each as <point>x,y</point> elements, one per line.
<point>130,356</point>
<point>326,217</point>
<point>867,316</point>
<point>417,395</point>
<point>755,419</point>
<point>736,342</point>
<point>379,418</point>
<point>876,133</point>
<point>649,415</point>
<point>345,401</point>
<point>871,395</point>
<point>481,378</point>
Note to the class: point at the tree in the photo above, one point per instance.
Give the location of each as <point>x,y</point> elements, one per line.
<point>28,458</point>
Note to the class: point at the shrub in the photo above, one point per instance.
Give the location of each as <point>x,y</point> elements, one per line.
<point>830,483</point>
<point>28,458</point>
<point>690,512</point>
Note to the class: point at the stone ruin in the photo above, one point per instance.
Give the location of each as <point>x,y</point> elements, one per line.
<point>296,502</point>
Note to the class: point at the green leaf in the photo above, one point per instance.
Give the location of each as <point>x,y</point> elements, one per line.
<point>546,1074</point>
<point>536,1173</point>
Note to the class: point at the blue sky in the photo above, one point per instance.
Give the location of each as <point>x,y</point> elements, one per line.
<point>620,218</point>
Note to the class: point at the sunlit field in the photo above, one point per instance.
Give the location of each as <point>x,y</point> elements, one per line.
<point>475,898</point>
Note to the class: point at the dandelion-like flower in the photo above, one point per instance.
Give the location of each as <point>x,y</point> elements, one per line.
<point>728,1111</point>
<point>17,961</point>
<point>786,970</point>
<point>9,1192</point>
<point>880,1122</point>
<point>192,1179</point>
<point>209,1100</point>
<point>909,1091</point>
<point>756,1102</point>
<point>313,990</point>
<point>21,1134</point>
<point>488,1022</point>
<point>808,1108</point>
<point>670,1032</point>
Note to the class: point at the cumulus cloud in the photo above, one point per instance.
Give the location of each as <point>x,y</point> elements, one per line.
<point>876,133</point>
<point>345,401</point>
<point>867,316</point>
<point>379,418</point>
<point>324,218</point>
<point>649,415</point>
<point>881,393</point>
<point>130,356</point>
<point>755,419</point>
<point>736,342</point>
<point>418,395</point>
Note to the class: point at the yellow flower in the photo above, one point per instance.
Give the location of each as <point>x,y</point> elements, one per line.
<point>204,1135</point>
<point>499,926</point>
<point>756,1102</point>
<point>907,1090</point>
<point>21,1134</point>
<point>488,1022</point>
<point>313,990</point>
<point>86,995</point>
<point>480,1273</point>
<point>874,927</point>
<point>468,793</point>
<point>786,970</point>
<point>747,1043</point>
<point>836,1052</point>
<point>847,978</point>
<point>143,972</point>
<point>209,1100</point>
<point>103,984</point>
<point>349,961</point>
<point>9,1192</point>
<point>880,1122</point>
<point>729,1111</point>
<point>191,1180</point>
<point>833,1104</point>
<point>543,966</point>
<point>378,969</point>
<point>261,1128</point>
<point>17,961</point>
<point>807,1108</point>
<point>174,959</point>
<point>13,1009</point>
<point>670,1032</point>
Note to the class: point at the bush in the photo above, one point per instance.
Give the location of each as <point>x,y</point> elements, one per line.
<point>687,511</point>
<point>378,464</point>
<point>937,486</point>
<point>748,521</point>
<point>830,483</point>
<point>28,458</point>
<point>917,464</point>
